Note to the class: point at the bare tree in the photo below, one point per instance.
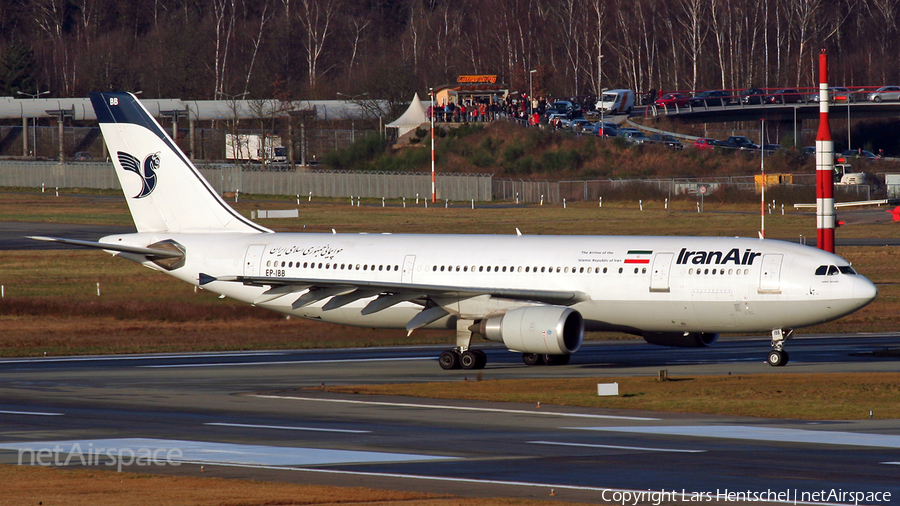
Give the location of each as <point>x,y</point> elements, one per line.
<point>317,17</point>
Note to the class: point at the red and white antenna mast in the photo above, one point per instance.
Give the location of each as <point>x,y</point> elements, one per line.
<point>824,166</point>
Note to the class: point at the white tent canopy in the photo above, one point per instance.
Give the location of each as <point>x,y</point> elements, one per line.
<point>411,119</point>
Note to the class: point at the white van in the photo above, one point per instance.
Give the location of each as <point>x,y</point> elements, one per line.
<point>616,102</point>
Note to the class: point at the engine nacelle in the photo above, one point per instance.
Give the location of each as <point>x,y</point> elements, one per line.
<point>551,330</point>
<point>682,339</point>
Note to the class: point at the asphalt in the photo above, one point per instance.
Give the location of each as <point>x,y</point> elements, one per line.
<point>260,415</point>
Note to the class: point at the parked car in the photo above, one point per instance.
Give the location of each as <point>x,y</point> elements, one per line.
<point>674,100</point>
<point>561,106</point>
<point>607,131</point>
<point>635,138</point>
<point>884,93</point>
<point>771,148</point>
<point>711,97</point>
<point>859,153</point>
<point>705,144</point>
<point>740,142</point>
<point>83,156</point>
<point>785,96</point>
<point>809,150</point>
<point>752,96</point>
<point>616,102</point>
<point>579,124</point>
<point>667,140</point>
<point>836,95</point>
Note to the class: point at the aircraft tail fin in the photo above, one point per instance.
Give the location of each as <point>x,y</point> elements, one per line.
<point>164,191</point>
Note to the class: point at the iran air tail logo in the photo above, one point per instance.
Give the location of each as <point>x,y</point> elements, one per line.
<point>147,171</point>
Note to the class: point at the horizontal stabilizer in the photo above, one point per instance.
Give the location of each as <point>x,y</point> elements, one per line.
<point>148,252</point>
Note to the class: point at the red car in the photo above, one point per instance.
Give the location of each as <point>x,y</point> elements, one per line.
<point>704,144</point>
<point>672,100</point>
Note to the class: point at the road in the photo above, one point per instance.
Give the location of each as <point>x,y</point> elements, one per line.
<point>259,415</point>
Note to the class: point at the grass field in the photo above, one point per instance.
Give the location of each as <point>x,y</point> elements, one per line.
<point>51,304</point>
<point>85,487</point>
<point>794,396</point>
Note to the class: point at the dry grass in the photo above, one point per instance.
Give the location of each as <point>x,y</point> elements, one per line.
<point>50,487</point>
<point>795,396</point>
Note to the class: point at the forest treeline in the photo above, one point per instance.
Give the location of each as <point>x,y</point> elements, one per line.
<point>388,49</point>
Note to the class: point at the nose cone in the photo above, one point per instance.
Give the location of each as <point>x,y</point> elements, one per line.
<point>864,291</point>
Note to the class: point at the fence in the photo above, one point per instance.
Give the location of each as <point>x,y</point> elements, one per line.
<point>454,187</point>
<point>233,177</point>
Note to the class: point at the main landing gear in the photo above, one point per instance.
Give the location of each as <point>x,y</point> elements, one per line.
<point>463,357</point>
<point>469,359</point>
<point>536,359</point>
<point>778,357</point>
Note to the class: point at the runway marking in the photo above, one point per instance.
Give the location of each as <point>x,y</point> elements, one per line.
<point>30,413</point>
<point>614,447</point>
<point>282,362</point>
<point>456,408</point>
<point>113,358</point>
<point>281,427</point>
<point>769,434</point>
<point>203,452</point>
<point>684,497</point>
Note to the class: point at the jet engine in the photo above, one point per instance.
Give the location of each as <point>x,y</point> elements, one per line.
<point>681,339</point>
<point>551,330</point>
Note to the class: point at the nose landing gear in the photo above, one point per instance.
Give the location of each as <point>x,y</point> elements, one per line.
<point>778,357</point>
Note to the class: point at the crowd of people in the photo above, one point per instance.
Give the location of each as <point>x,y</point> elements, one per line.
<point>484,109</point>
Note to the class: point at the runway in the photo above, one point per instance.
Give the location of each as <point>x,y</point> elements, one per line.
<point>260,415</point>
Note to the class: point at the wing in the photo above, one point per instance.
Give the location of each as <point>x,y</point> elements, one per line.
<point>431,297</point>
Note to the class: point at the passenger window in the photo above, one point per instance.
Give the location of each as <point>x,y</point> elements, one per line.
<point>821,270</point>
<point>581,271</point>
<point>528,269</point>
<point>481,269</point>
<point>567,270</point>
<point>457,268</point>
<point>519,269</point>
<point>635,270</point>
<point>620,270</point>
<point>465,268</point>
<point>832,270</point>
<point>604,270</point>
<point>357,266</point>
<point>504,268</point>
<point>442,268</point>
<point>690,271</point>
<point>320,265</point>
<point>542,269</point>
<point>644,270</point>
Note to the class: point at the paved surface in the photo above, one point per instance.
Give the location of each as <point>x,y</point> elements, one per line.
<point>254,415</point>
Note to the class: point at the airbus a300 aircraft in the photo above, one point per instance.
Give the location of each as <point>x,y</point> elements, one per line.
<point>535,294</point>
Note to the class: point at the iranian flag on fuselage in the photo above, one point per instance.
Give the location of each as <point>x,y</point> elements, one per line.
<point>638,256</point>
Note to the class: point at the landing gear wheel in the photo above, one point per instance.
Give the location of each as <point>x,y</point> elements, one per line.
<point>777,358</point>
<point>532,359</point>
<point>555,359</point>
<point>449,360</point>
<point>472,359</point>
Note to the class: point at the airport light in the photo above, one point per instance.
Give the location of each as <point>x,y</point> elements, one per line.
<point>531,93</point>
<point>33,130</point>
<point>431,92</point>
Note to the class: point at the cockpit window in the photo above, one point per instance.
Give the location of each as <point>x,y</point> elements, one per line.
<point>832,270</point>
<point>821,270</point>
<point>846,269</point>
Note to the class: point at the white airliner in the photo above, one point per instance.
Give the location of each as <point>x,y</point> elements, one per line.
<point>535,294</point>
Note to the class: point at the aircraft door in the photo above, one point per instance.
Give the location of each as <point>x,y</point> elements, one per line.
<point>251,260</point>
<point>406,276</point>
<point>770,274</point>
<point>659,273</point>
